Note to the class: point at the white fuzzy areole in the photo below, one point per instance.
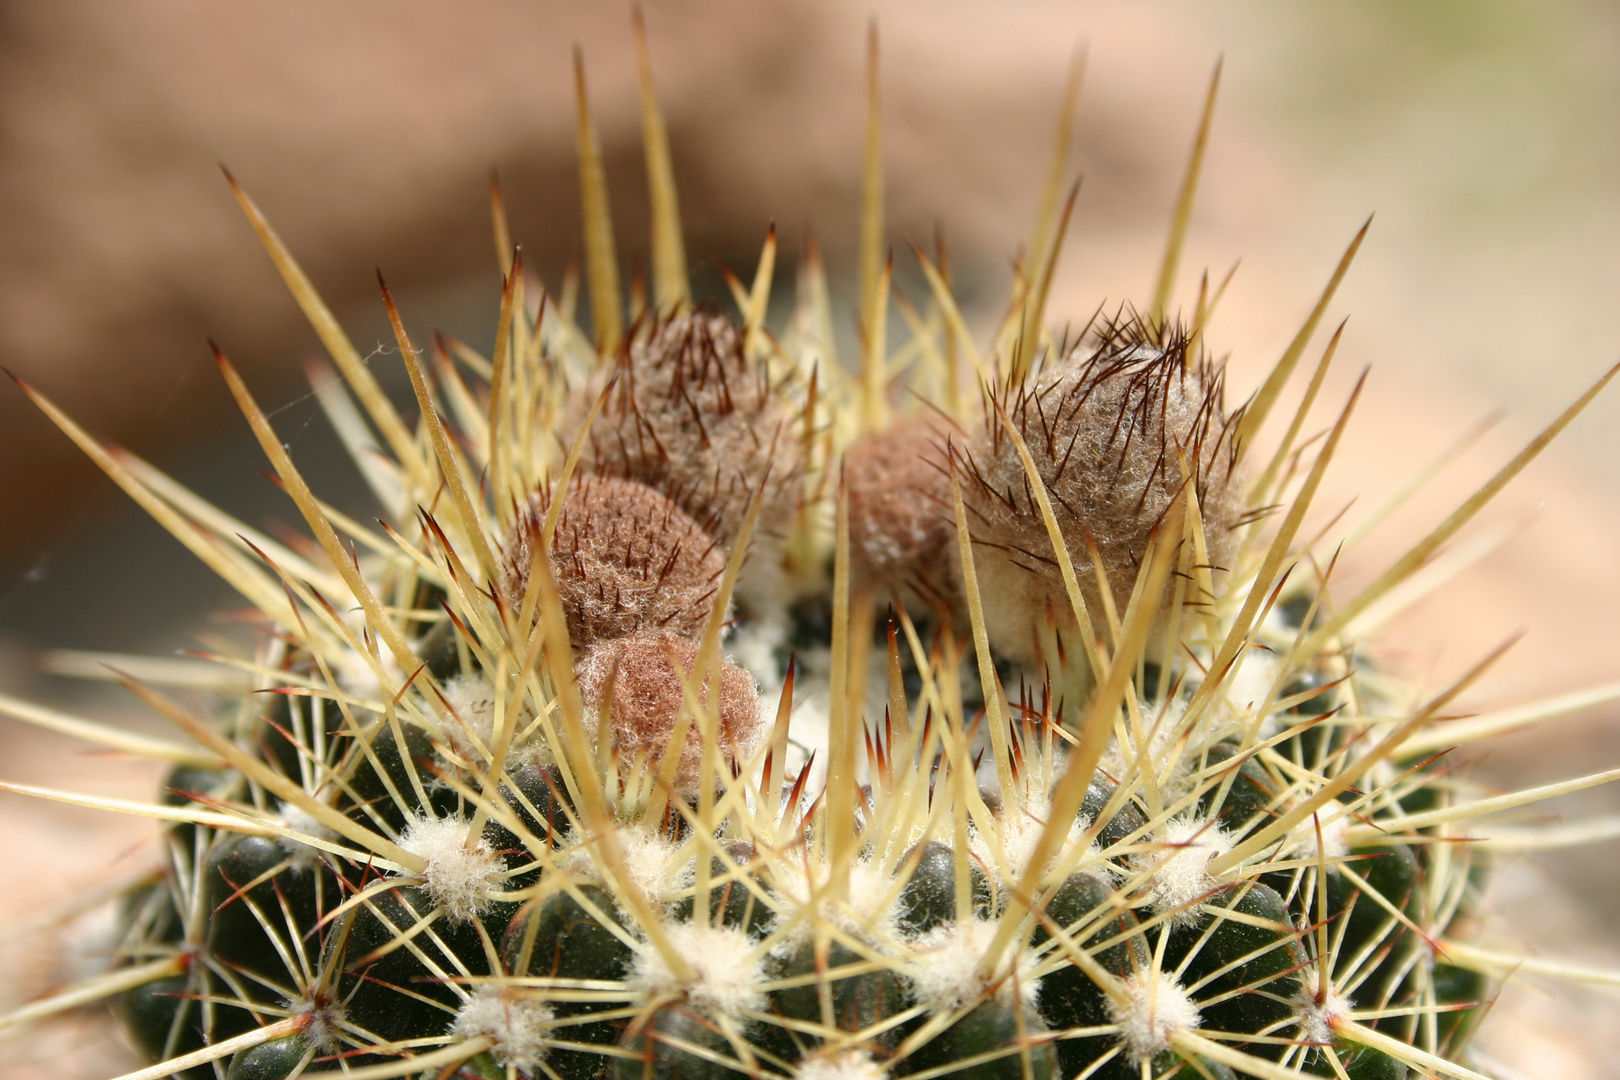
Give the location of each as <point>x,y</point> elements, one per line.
<point>650,861</point>
<point>869,909</point>
<point>945,972</point>
<point>1180,877</point>
<point>1019,828</point>
<point>1154,1009</point>
<point>1166,748</point>
<point>469,724</point>
<point>322,1019</point>
<point>457,877</point>
<point>303,856</point>
<point>727,968</point>
<point>1316,1017</point>
<point>845,1065</point>
<point>1335,822</point>
<point>1245,688</point>
<point>516,1025</point>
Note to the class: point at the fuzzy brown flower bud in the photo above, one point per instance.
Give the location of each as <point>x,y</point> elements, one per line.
<point>625,558</point>
<point>1108,426</point>
<point>899,509</point>
<point>693,416</point>
<point>647,693</point>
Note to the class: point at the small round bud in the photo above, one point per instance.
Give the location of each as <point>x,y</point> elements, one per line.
<point>625,558</point>
<point>693,416</point>
<point>899,489</point>
<point>1108,428</point>
<point>640,671</point>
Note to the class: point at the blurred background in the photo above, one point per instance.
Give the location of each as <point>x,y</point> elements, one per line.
<point>1485,136</point>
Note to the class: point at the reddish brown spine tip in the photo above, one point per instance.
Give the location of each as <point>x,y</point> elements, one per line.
<point>14,377</point>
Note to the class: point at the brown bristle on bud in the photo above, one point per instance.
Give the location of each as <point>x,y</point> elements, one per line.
<point>625,559</point>
<point>1103,423</point>
<point>647,696</point>
<point>899,507</point>
<point>693,416</point>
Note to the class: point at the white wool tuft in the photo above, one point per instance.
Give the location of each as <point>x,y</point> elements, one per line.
<point>868,910</point>
<point>1165,746</point>
<point>728,969</point>
<point>846,1065</point>
<point>302,855</point>
<point>1336,823</point>
<point>945,972</point>
<point>1247,686</point>
<point>516,1025</point>
<point>1180,877</point>
<point>468,724</point>
<point>1018,829</point>
<point>322,1019</point>
<point>1316,1017</point>
<point>650,859</point>
<point>456,876</point>
<point>1155,1009</point>
<point>354,673</point>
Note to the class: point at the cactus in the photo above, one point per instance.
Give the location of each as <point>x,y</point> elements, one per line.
<point>698,712</point>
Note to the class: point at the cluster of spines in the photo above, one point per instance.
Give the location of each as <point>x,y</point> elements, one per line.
<point>1169,931</point>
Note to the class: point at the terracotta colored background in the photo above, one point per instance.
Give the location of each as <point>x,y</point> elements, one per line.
<point>1485,136</point>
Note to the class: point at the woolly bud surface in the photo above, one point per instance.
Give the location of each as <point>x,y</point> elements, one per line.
<point>693,416</point>
<point>945,975</point>
<point>1153,1009</point>
<point>899,491</point>
<point>727,967</point>
<point>1104,424</point>
<point>514,1024</point>
<point>456,876</point>
<point>644,674</point>
<point>624,556</point>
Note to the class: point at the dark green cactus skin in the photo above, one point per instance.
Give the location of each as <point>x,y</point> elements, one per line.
<point>164,1020</point>
<point>929,898</point>
<point>564,940</point>
<point>1251,791</point>
<point>665,1047</point>
<point>240,931</point>
<point>857,1002</point>
<point>399,994</point>
<point>1254,964</point>
<point>274,1060</point>
<point>1069,999</point>
<point>1244,977</point>
<point>994,1025</point>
